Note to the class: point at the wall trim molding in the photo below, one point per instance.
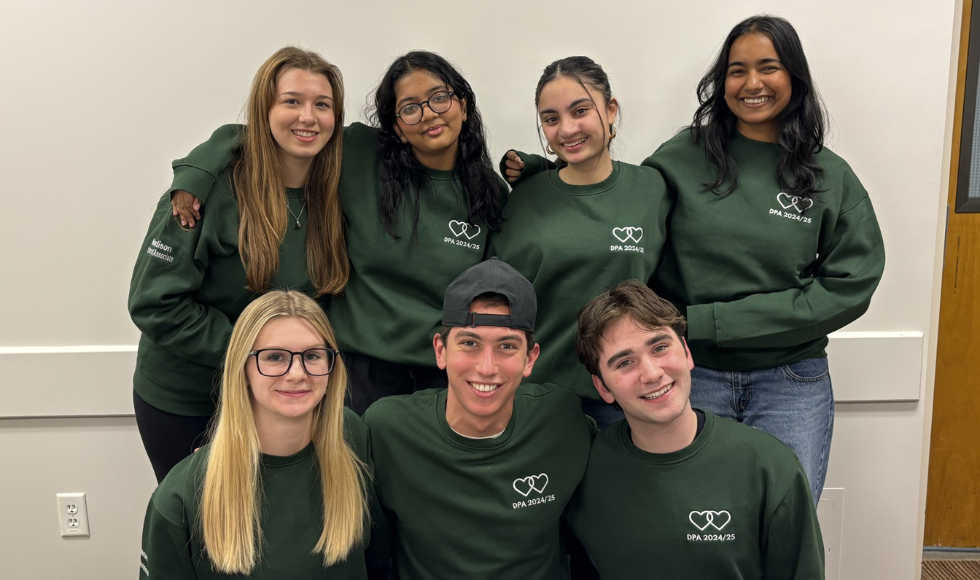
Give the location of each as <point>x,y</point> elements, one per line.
<point>96,380</point>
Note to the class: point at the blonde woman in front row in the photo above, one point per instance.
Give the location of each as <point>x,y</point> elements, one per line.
<point>282,489</point>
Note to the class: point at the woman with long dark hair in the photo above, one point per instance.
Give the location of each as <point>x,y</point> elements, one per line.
<point>276,223</point>
<point>773,242</point>
<point>420,196</point>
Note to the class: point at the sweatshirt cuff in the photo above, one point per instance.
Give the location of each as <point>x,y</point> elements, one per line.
<point>701,323</point>
<point>193,180</point>
<point>533,164</point>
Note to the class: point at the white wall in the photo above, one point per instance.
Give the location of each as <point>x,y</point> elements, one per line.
<point>99,96</point>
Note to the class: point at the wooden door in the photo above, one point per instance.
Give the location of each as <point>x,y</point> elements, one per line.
<point>953,495</point>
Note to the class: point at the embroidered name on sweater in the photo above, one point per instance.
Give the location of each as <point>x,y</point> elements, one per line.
<point>788,203</point>
<point>143,567</point>
<point>530,484</point>
<point>462,232</point>
<point>158,249</point>
<point>625,235</point>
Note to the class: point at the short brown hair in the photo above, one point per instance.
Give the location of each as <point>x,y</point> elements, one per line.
<point>630,298</point>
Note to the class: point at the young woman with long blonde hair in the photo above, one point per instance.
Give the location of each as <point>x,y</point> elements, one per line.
<point>280,491</point>
<point>276,223</point>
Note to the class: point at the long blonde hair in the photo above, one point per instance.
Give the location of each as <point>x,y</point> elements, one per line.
<point>231,498</point>
<point>261,187</point>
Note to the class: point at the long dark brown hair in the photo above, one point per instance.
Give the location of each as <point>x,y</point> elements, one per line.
<point>801,123</point>
<point>402,174</point>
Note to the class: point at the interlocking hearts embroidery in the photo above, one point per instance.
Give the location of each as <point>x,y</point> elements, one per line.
<point>462,228</point>
<point>525,485</point>
<point>623,234</point>
<point>794,201</point>
<point>702,520</point>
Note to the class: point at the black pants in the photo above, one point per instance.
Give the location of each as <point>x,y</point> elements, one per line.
<point>167,438</point>
<point>372,378</point>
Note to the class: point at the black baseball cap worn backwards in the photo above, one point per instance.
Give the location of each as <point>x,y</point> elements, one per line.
<point>495,276</point>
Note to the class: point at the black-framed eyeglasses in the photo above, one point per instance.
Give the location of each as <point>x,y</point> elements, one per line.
<point>276,362</point>
<point>411,114</point>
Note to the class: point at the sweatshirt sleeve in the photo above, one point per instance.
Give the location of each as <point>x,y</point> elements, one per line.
<point>166,548</point>
<point>169,270</point>
<point>838,291</point>
<point>794,546</point>
<point>199,171</point>
<point>378,552</point>
<point>533,164</point>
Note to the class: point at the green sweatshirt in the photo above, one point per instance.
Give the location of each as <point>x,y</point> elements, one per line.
<point>763,276</point>
<point>478,508</point>
<point>187,291</point>
<point>575,241</point>
<point>393,302</point>
<point>734,504</point>
<point>291,520</point>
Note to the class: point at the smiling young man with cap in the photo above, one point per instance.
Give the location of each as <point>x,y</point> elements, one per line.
<point>675,492</point>
<point>474,478</point>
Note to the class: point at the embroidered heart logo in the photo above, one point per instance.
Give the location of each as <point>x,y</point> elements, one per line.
<point>787,201</point>
<point>628,233</point>
<point>721,519</point>
<point>459,228</point>
<point>702,520</point>
<point>525,485</point>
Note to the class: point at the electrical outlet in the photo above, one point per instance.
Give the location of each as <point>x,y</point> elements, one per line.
<point>72,515</point>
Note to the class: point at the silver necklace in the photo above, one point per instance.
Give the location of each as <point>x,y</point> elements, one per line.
<point>296,216</point>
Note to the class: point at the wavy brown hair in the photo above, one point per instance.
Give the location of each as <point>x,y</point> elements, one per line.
<point>231,498</point>
<point>632,299</point>
<point>261,188</point>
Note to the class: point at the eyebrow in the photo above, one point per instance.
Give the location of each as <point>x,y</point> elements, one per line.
<point>628,351</point>
<point>317,345</point>
<point>435,89</point>
<point>298,94</point>
<point>760,61</point>
<point>572,106</point>
<point>471,334</point>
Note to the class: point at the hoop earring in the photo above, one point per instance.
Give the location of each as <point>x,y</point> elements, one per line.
<point>547,148</point>
<point>612,131</point>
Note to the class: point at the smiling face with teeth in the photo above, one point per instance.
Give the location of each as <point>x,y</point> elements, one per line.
<point>648,372</point>
<point>485,365</point>
<point>576,120</point>
<point>302,121</point>
<point>757,86</point>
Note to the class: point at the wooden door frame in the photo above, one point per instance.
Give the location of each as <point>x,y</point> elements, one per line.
<point>948,274</point>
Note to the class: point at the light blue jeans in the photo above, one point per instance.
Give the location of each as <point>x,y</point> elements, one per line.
<point>793,403</point>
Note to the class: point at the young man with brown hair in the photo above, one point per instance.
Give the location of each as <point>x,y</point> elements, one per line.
<point>672,491</point>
